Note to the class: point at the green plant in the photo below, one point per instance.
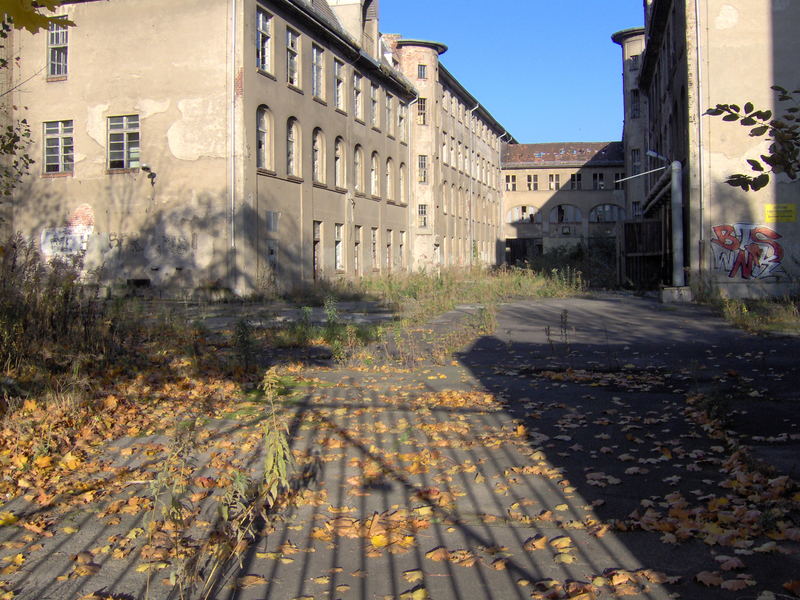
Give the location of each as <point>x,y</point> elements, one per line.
<point>783,155</point>
<point>243,343</point>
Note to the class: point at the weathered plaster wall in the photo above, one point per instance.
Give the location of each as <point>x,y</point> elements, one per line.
<point>166,62</point>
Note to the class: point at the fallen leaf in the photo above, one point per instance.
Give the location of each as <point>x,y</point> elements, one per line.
<point>413,575</point>
<point>250,580</point>
<point>709,578</point>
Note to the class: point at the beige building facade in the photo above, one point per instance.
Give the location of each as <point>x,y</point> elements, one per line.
<point>700,53</point>
<point>456,157</point>
<point>561,195</point>
<point>238,144</point>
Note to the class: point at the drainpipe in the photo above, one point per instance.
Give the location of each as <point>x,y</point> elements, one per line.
<point>678,274</point>
<point>700,164</point>
<point>232,127</point>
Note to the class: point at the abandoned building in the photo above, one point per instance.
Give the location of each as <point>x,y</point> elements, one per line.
<point>290,142</point>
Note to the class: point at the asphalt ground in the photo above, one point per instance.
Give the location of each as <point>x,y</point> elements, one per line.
<point>568,455</point>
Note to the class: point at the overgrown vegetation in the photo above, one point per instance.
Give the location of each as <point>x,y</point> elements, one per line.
<point>763,315</point>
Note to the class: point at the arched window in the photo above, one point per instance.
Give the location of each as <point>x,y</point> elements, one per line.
<point>318,156</point>
<point>264,138</point>
<point>403,192</point>
<point>293,147</point>
<point>338,164</point>
<point>565,213</point>
<point>374,182</point>
<point>389,180</point>
<point>606,213</point>
<point>524,214</point>
<point>358,169</point>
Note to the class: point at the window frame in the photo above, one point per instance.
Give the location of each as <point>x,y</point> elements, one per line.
<point>358,96</point>
<point>264,139</point>
<point>293,58</point>
<point>339,88</point>
<point>422,168</point>
<point>64,147</point>
<point>57,49</point>
<point>293,149</point>
<point>127,132</point>
<point>317,71</point>
<point>318,171</point>
<point>264,23</point>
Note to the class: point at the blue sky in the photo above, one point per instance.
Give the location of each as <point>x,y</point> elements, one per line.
<point>547,70</point>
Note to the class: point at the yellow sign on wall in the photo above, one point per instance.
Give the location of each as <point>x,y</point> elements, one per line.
<point>780,213</point>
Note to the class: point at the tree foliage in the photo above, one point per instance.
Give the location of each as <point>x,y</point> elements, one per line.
<point>784,132</point>
<point>28,14</point>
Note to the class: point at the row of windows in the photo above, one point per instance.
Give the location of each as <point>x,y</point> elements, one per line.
<point>357,241</point>
<point>465,160</point>
<point>122,150</point>
<point>367,176</point>
<point>393,118</point>
<point>452,106</point>
<point>567,213</point>
<point>554,182</point>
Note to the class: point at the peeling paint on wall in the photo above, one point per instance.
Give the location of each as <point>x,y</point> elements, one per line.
<point>727,18</point>
<point>96,123</point>
<point>200,132</point>
<point>747,250</point>
<point>148,107</point>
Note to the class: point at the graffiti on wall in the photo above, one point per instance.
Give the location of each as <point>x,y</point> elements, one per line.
<point>72,239</point>
<point>747,250</point>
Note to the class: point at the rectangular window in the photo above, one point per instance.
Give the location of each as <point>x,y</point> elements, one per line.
<point>389,257</point>
<point>373,105</point>
<point>533,183</point>
<point>389,114</point>
<point>422,215</point>
<point>636,209</point>
<point>263,40</point>
<point>317,72</point>
<point>598,181</point>
<point>619,185</point>
<point>636,109</point>
<point>374,248</point>
<point>636,161</point>
<point>292,57</point>
<point>402,115</point>
<point>338,247</point>
<point>422,111</point>
<point>401,249</point>
<point>338,86</point>
<point>634,62</point>
<point>575,181</point>
<point>422,168</point>
<point>123,142</point>
<point>358,101</point>
<point>357,249</point>
<point>58,147</point>
<point>316,255</point>
<point>422,71</point>
<point>272,221</point>
<point>57,37</point>
<point>511,183</point>
<point>554,181</point>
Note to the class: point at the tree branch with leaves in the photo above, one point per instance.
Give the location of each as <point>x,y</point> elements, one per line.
<point>784,133</point>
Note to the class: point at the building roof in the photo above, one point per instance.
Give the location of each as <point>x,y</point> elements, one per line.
<point>564,154</point>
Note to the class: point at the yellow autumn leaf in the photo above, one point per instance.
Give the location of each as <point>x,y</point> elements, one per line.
<point>70,461</point>
<point>43,462</point>
<point>561,542</point>
<point>86,569</point>
<point>379,540</point>
<point>413,575</point>
<point>438,554</point>
<point>561,507</point>
<point>151,566</point>
<point>69,529</point>
<point>8,518</point>
<point>564,558</point>
<point>417,593</point>
<point>323,580</point>
<point>250,580</point>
